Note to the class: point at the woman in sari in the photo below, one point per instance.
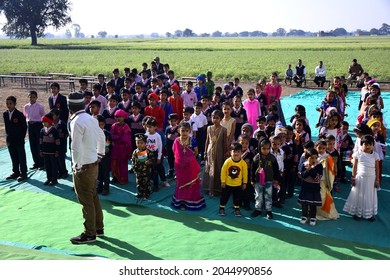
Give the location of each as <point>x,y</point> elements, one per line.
<point>187,193</point>
<point>273,93</point>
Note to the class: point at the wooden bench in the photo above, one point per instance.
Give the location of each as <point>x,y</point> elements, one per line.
<point>60,75</point>
<point>70,83</point>
<point>312,80</point>
<point>183,81</point>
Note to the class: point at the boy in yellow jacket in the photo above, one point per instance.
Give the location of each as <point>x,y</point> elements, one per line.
<point>234,177</point>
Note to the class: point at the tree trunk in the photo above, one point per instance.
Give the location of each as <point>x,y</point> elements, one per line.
<point>34,39</point>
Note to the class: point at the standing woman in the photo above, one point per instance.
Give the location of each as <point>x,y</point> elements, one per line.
<point>273,92</point>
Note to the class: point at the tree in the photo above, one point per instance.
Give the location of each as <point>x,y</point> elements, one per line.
<point>385,29</point>
<point>188,33</point>
<point>216,34</point>
<point>374,31</point>
<point>68,34</point>
<point>102,34</point>
<point>281,32</point>
<point>243,34</point>
<point>76,27</point>
<point>168,34</point>
<point>178,33</point>
<point>340,32</point>
<point>30,18</point>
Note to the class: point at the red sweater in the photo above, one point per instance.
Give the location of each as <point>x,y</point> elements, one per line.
<point>158,113</point>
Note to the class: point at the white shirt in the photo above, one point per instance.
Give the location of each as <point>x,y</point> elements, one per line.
<point>320,72</point>
<point>154,143</point>
<point>103,102</point>
<point>200,120</point>
<point>88,139</point>
<point>33,112</point>
<point>279,158</point>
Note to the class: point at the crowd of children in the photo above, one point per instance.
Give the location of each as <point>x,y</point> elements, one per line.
<point>245,147</point>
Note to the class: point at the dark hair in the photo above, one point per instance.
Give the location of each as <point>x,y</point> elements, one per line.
<point>330,116</point>
<point>261,119</point>
<point>273,107</point>
<point>55,84</point>
<point>376,113</point>
<point>97,86</point>
<point>217,113</point>
<point>136,104</point>
<point>173,116</point>
<point>367,139</point>
<point>236,147</point>
<point>345,123</point>
<point>125,90</point>
<point>303,122</point>
<point>300,108</point>
<point>151,121</point>
<point>198,104</point>
<point>184,124</point>
<point>33,92</point>
<point>263,141</point>
<point>311,152</point>
<point>218,88</point>
<point>227,104</point>
<point>110,84</point>
<point>83,81</point>
<point>330,137</point>
<point>252,91</point>
<point>274,137</point>
<point>190,83</point>
<point>188,110</point>
<point>320,142</point>
<point>55,111</point>
<point>171,72</point>
<point>96,103</point>
<point>87,93</point>
<point>308,144</point>
<point>260,134</point>
<point>244,137</point>
<point>289,128</point>
<point>139,84</point>
<point>100,118</point>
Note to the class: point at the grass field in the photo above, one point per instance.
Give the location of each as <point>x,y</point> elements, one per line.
<point>247,58</point>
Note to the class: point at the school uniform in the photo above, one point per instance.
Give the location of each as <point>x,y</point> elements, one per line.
<point>109,115</point>
<point>201,125</point>
<point>142,99</point>
<point>290,170</point>
<point>104,165</point>
<point>171,133</point>
<point>50,146</point>
<point>135,124</point>
<point>241,118</point>
<point>119,83</point>
<point>125,106</point>
<point>63,133</point>
<point>15,130</point>
<point>59,102</point>
<point>103,102</point>
<point>34,113</point>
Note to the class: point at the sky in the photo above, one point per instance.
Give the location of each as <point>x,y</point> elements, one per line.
<point>128,17</point>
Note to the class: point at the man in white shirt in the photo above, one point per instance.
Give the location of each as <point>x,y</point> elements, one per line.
<point>320,74</point>
<point>88,145</point>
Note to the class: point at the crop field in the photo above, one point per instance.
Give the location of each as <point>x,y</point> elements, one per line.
<point>247,58</point>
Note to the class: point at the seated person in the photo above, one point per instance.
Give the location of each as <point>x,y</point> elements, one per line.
<point>289,75</point>
<point>299,73</point>
<point>320,75</point>
<point>354,71</point>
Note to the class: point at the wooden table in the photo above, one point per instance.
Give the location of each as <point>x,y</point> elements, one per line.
<point>60,75</point>
<point>70,83</point>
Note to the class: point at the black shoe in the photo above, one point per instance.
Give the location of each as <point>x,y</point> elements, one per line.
<point>100,232</point>
<point>41,168</point>
<point>53,183</point>
<point>47,182</point>
<point>114,180</point>
<point>83,239</point>
<point>99,189</point>
<point>12,176</point>
<point>221,212</point>
<point>22,177</point>
<point>131,171</point>
<point>34,167</point>
<point>237,212</point>
<point>255,213</point>
<point>170,175</point>
<point>372,219</point>
<point>105,191</point>
<point>270,216</point>
<point>356,218</point>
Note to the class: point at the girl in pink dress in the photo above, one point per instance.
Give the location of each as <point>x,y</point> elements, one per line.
<point>121,148</point>
<point>273,92</point>
<point>252,107</point>
<point>188,193</point>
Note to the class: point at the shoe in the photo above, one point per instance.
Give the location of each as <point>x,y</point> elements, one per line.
<point>146,196</point>
<point>221,212</point>
<point>22,178</point>
<point>99,232</point>
<point>99,189</point>
<point>83,239</point>
<point>114,180</point>
<point>105,191</point>
<point>202,162</point>
<point>356,218</point>
<point>170,175</point>
<point>372,219</point>
<point>131,170</point>
<point>41,168</point>
<point>12,176</point>
<point>237,212</point>
<point>34,167</point>
<point>47,182</point>
<point>53,183</point>
<point>139,195</point>
<point>313,222</point>
<point>165,184</point>
<point>303,220</point>
<point>255,213</point>
<point>270,216</point>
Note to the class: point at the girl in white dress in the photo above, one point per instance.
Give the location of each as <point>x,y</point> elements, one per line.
<point>362,201</point>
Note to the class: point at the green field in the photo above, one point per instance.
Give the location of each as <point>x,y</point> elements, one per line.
<point>247,58</point>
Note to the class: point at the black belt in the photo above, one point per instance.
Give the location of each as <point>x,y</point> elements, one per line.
<point>33,122</point>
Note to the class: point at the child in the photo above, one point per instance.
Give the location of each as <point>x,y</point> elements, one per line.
<point>83,85</point>
<point>187,193</point>
<point>362,201</point>
<point>187,117</point>
<point>328,210</point>
<point>103,84</point>
<point>166,106</point>
<point>309,196</point>
<point>96,89</point>
<point>260,95</point>
<point>189,96</point>
<point>290,162</point>
<point>142,160</point>
<point>329,101</point>
<point>171,133</point>
<point>135,121</point>
<point>238,90</point>
<point>247,155</point>
<point>300,137</point>
<point>176,102</point>
<point>234,177</point>
<point>140,97</point>
<point>105,162</point>
<point>375,126</point>
<point>210,83</point>
<point>49,149</point>
<point>207,108</point>
<point>289,75</point>
<point>228,122</point>
<point>253,142</point>
<point>200,121</point>
<point>215,154</point>
<point>15,130</point>
<point>346,147</point>
<point>121,148</point>
<point>260,124</point>
<point>278,153</point>
<point>332,125</point>
<point>200,88</point>
<point>87,99</point>
<point>332,151</point>
<point>265,175</point>
<point>109,112</point>
<point>157,112</point>
<point>252,107</point>
<point>34,111</point>
<point>239,114</point>
<point>155,146</point>
<point>111,92</point>
<point>125,104</point>
<point>63,133</point>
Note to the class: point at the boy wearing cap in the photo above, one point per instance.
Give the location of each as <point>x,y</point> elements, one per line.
<point>189,96</point>
<point>176,101</point>
<point>49,149</point>
<point>200,88</point>
<point>141,161</point>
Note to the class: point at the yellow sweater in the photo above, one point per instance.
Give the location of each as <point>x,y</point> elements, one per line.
<point>234,174</point>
